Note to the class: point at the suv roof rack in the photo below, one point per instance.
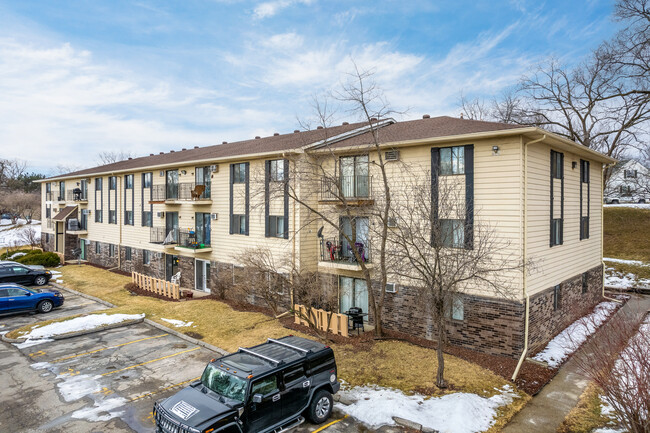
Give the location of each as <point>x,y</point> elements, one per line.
<point>250,352</point>
<point>290,346</point>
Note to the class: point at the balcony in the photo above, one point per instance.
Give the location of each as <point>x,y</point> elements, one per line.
<point>339,254</point>
<point>190,242</point>
<point>77,227</point>
<point>48,196</point>
<point>160,235</point>
<point>77,195</point>
<point>49,223</point>
<point>185,192</point>
<point>347,190</point>
<point>60,199</point>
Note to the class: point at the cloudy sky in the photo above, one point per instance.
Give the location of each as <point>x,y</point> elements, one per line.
<point>79,77</point>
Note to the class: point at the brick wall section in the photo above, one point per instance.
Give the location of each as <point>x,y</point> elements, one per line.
<point>48,245</point>
<point>71,243</point>
<point>102,258</point>
<point>545,322</point>
<point>186,268</point>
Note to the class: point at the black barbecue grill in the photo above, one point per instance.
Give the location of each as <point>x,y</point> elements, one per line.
<point>355,316</point>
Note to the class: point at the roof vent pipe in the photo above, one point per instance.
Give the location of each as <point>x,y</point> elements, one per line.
<point>224,142</point>
<point>426,116</point>
<point>373,119</point>
<point>295,131</point>
<point>257,137</point>
<point>319,127</point>
<point>276,134</point>
<point>345,123</point>
<point>196,147</point>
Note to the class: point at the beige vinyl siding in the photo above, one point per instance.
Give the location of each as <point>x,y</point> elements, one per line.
<point>552,265</point>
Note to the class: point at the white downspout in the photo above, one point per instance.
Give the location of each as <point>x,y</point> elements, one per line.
<point>525,252</point>
<point>602,229</point>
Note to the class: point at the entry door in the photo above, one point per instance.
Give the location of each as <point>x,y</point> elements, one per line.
<point>171,266</point>
<point>171,224</point>
<point>202,280</point>
<point>171,184</point>
<point>59,237</point>
<point>82,245</point>
<point>202,227</point>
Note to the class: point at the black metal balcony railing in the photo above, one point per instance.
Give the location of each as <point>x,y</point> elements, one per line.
<point>76,225</point>
<point>180,191</point>
<point>48,196</point>
<point>339,250</point>
<point>77,195</point>
<point>346,188</point>
<point>192,239</point>
<point>160,235</point>
<point>49,223</point>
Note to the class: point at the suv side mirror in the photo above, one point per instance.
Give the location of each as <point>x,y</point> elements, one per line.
<point>257,398</point>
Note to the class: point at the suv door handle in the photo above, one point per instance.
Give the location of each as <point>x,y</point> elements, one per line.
<point>276,397</point>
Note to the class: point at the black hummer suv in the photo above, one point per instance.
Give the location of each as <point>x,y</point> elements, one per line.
<point>262,389</point>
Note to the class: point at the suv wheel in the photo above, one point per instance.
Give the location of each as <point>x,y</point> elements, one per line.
<point>321,407</point>
<point>45,306</point>
<point>40,280</point>
<point>615,201</point>
<point>642,201</point>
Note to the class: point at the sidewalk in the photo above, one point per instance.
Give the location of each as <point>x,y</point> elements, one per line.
<point>546,411</point>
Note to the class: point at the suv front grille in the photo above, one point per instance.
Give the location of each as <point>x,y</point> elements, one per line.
<point>164,423</point>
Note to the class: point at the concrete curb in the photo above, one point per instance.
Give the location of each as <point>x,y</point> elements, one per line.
<point>208,346</point>
<point>83,295</point>
<point>79,333</point>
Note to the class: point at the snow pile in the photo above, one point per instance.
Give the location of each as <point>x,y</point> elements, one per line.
<point>572,337</point>
<point>12,235</point>
<point>452,413</point>
<point>103,410</point>
<point>177,323</point>
<point>56,276</point>
<point>16,255</point>
<point>618,280</point>
<point>626,262</point>
<point>631,205</point>
<point>77,324</point>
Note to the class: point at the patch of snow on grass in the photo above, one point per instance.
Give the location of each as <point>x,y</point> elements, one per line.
<point>452,413</point>
<point>11,235</point>
<point>572,337</point>
<point>16,255</point>
<point>82,323</point>
<point>177,323</point>
<point>618,280</point>
<point>626,262</point>
<point>631,205</point>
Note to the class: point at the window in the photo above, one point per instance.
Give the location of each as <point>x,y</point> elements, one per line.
<point>48,187</point>
<point>276,226</point>
<point>147,220</point>
<point>457,308</point>
<point>203,177</point>
<point>265,386</point>
<point>48,212</point>
<point>112,182</point>
<point>145,257</point>
<point>557,165</point>
<point>277,170</point>
<point>61,191</point>
<point>112,217</point>
<point>391,288</point>
<point>584,171</point>
<point>452,160</point>
<point>355,181</point>
<point>294,374</point>
<point>585,283</point>
<point>111,250</point>
<point>99,199</point>
<point>127,253</point>
<point>557,293</point>
<point>239,224</point>
<point>146,180</point>
<point>128,217</point>
<point>47,237</point>
<point>239,173</point>
<point>98,248</point>
<point>128,181</point>
<point>584,227</point>
<point>556,231</point>
<point>452,233</point>
<point>584,187</point>
<point>626,190</point>
<point>629,174</point>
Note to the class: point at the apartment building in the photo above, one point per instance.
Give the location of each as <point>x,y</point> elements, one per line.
<point>194,211</point>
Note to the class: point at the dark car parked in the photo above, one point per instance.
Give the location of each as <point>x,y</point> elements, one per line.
<point>266,388</point>
<point>15,298</point>
<point>11,272</point>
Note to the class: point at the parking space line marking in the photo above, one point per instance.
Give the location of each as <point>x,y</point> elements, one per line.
<point>149,362</point>
<point>106,348</point>
<point>164,389</point>
<point>330,424</point>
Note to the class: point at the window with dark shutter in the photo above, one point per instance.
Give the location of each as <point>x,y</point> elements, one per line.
<point>584,201</point>
<point>557,174</point>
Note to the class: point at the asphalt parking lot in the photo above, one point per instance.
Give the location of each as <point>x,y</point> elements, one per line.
<point>101,382</point>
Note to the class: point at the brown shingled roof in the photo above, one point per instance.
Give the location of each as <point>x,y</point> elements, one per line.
<point>443,126</point>
<point>274,143</point>
<point>400,131</point>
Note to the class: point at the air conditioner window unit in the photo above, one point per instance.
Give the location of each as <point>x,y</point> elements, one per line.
<point>392,155</point>
<point>215,216</point>
<point>391,288</point>
<point>160,214</point>
<point>214,168</point>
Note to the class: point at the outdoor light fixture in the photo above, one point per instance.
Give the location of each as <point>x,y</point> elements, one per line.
<point>183,171</point>
<point>574,165</point>
<point>495,150</point>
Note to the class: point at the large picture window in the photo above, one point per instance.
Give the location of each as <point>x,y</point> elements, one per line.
<point>452,233</point>
<point>239,173</point>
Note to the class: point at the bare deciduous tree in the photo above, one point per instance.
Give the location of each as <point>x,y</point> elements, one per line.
<point>29,236</point>
<point>112,156</point>
<point>441,256</point>
<point>617,360</point>
<point>20,204</point>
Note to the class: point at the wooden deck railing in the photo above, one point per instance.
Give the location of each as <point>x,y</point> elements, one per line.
<point>155,285</point>
<point>335,323</point>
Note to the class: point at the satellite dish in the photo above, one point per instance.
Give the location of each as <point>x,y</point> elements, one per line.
<point>320,232</point>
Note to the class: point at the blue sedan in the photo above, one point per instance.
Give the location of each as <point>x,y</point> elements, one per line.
<point>15,298</point>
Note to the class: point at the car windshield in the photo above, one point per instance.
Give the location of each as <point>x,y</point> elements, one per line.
<point>224,383</point>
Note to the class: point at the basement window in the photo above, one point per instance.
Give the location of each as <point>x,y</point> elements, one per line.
<point>557,293</point>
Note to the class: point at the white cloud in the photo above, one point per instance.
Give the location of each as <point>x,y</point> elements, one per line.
<point>283,41</point>
<point>270,8</point>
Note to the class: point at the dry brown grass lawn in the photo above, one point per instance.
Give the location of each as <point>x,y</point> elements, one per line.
<point>586,416</point>
<point>627,233</point>
<point>392,364</point>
